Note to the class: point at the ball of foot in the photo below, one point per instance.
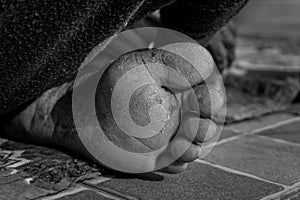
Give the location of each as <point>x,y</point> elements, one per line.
<point>135,110</point>
<point>139,104</point>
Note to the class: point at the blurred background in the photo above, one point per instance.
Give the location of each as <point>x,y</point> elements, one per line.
<point>276,18</point>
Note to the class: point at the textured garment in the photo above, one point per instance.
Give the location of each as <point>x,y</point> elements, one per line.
<point>44,42</point>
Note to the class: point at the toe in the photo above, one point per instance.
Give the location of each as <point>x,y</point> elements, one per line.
<point>184,150</point>
<point>210,100</point>
<point>195,54</point>
<point>199,130</point>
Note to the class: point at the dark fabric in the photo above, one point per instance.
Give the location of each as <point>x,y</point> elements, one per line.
<point>43,42</point>
<point>200,18</point>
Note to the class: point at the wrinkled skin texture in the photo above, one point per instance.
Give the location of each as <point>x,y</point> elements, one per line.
<point>49,120</point>
<point>43,43</point>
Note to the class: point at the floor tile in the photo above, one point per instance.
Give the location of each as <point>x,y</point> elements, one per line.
<point>87,194</point>
<point>258,123</point>
<point>200,181</point>
<point>227,133</point>
<point>260,156</point>
<point>288,132</point>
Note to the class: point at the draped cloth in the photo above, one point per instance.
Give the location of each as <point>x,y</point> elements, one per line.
<point>43,43</point>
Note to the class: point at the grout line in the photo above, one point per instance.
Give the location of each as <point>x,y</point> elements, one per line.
<point>105,194</point>
<point>255,131</point>
<point>287,189</point>
<point>280,140</point>
<point>109,191</point>
<point>233,171</point>
<point>97,180</point>
<point>285,192</point>
<point>83,187</point>
<point>272,126</point>
<point>70,191</point>
<point>229,139</point>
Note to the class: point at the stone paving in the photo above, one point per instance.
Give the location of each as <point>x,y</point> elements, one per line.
<point>256,157</point>
<point>258,163</point>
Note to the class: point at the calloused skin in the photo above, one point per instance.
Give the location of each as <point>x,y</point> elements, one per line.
<point>65,138</point>
<point>194,128</point>
<point>207,129</point>
<point>49,120</point>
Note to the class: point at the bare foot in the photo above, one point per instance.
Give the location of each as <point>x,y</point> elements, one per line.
<point>145,100</point>
<point>164,107</point>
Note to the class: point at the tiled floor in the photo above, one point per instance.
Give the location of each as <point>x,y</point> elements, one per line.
<point>244,165</point>
<point>260,156</point>
<point>255,158</point>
